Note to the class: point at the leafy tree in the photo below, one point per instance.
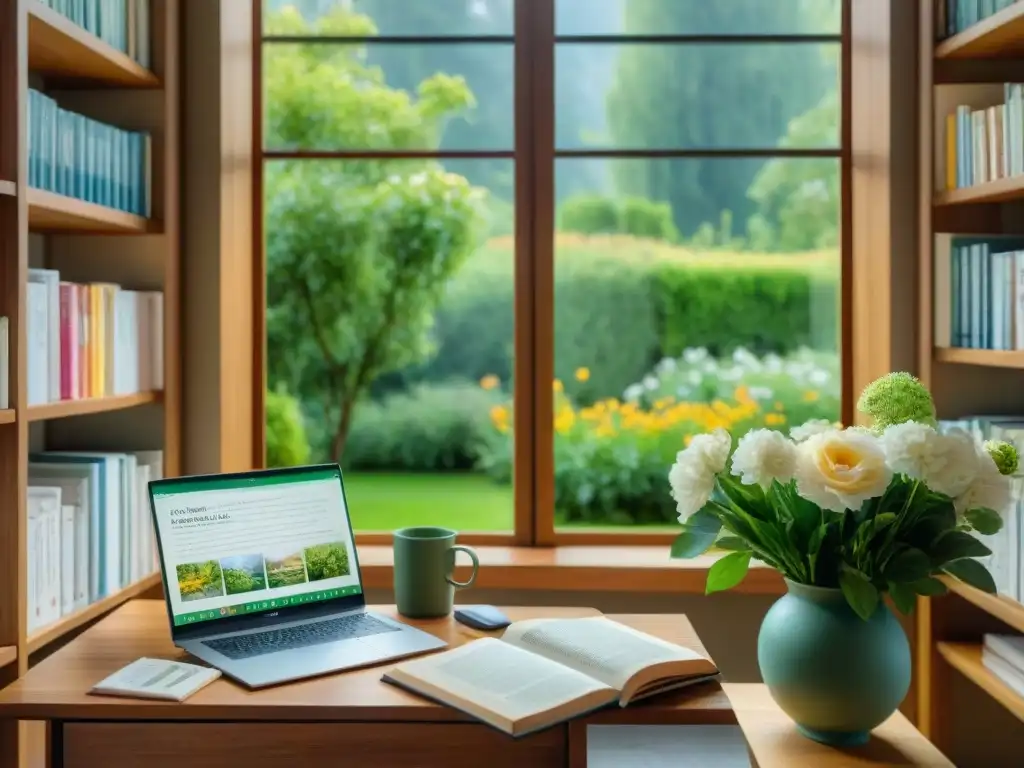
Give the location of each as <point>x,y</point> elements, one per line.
<point>709,96</point>
<point>287,445</point>
<point>358,252</point>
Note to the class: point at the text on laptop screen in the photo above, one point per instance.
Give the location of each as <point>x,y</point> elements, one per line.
<point>249,544</point>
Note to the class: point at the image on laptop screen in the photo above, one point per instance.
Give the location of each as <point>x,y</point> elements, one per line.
<point>253,543</point>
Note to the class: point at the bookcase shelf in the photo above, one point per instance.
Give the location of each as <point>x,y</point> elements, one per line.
<point>59,47</point>
<point>8,188</point>
<point>66,408</point>
<point>8,654</point>
<point>43,637</point>
<point>1000,35</point>
<point>8,416</point>
<point>50,212</point>
<point>999,191</point>
<point>995,358</point>
<point>966,658</point>
<point>1000,607</point>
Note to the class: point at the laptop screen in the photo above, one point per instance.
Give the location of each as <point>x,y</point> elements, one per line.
<point>249,543</point>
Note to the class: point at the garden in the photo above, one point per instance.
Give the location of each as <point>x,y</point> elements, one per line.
<point>688,294</point>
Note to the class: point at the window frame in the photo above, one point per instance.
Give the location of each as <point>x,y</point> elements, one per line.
<point>534,155</point>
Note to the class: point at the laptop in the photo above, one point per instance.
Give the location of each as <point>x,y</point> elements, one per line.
<point>261,576</point>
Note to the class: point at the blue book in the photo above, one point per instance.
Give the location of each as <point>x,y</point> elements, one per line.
<point>78,164</point>
<point>135,171</point>
<point>954,298</point>
<point>103,164</point>
<point>33,142</point>
<point>115,169</point>
<point>965,296</point>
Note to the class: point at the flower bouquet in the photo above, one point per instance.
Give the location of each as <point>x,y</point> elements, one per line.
<point>846,516</point>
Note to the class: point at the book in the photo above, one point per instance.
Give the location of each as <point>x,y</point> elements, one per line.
<point>542,672</point>
<point>156,679</point>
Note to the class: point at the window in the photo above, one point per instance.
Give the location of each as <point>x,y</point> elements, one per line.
<point>517,254</point>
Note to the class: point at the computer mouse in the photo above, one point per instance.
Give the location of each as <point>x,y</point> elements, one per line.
<point>485,617</point>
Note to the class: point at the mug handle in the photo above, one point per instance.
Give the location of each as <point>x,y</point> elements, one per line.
<point>472,576</point>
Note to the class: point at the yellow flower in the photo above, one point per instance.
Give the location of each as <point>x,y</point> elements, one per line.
<point>499,418</point>
<point>774,419</point>
<point>810,396</point>
<point>557,385</point>
<point>582,374</point>
<point>490,381</point>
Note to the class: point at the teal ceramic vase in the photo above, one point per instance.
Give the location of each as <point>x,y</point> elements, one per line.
<point>835,674</point>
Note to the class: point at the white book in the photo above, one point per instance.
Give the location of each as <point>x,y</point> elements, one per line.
<point>1003,670</point>
<point>154,461</point>
<point>79,484</point>
<point>5,363</point>
<point>37,351</point>
<point>67,558</point>
<point>51,279</point>
<point>129,498</point>
<point>157,679</point>
<point>1018,291</point>
<point>141,547</point>
<point>44,507</point>
<point>1010,648</point>
<point>156,338</point>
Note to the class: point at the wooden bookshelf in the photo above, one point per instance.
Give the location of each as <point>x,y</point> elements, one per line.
<point>57,47</point>
<point>65,408</point>
<point>49,212</point>
<point>85,243</point>
<point>998,191</point>
<point>1009,612</point>
<point>1000,36</point>
<point>994,358</point>
<point>966,659</point>
<point>43,637</point>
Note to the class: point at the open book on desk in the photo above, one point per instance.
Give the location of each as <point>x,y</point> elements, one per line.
<point>545,671</point>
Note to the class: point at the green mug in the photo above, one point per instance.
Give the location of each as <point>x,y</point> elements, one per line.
<point>424,561</point>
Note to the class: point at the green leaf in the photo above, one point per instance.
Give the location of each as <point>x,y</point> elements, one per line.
<point>698,536</point>
<point>972,572</point>
<point>956,545</point>
<point>984,521</point>
<point>903,597</point>
<point>930,587</point>
<point>908,565</point>
<point>734,543</point>
<point>727,572</point>
<point>860,593</point>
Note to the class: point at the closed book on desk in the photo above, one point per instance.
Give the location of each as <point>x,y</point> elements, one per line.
<point>545,671</point>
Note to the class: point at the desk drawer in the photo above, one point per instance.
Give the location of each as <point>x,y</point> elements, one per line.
<point>273,745</point>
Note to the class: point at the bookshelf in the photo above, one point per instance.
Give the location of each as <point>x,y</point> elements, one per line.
<point>87,242</point>
<point>952,685</point>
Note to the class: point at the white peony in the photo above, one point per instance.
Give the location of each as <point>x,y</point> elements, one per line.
<point>946,463</point>
<point>763,455</point>
<point>841,469</point>
<point>810,428</point>
<point>692,477</point>
<point>988,489</point>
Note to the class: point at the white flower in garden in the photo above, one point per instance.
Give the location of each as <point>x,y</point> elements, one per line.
<point>731,374</point>
<point>746,358</point>
<point>810,428</point>
<point>841,469</point>
<point>761,393</point>
<point>818,377</point>
<point>694,355</point>
<point>651,382</point>
<point>666,365</point>
<point>692,477</point>
<point>694,378</point>
<point>763,455</point>
<point>633,392</point>
<point>946,463</point>
<point>988,490</point>
<point>772,363</point>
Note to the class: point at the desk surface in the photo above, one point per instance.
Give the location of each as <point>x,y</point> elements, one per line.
<point>775,743</point>
<point>56,688</point>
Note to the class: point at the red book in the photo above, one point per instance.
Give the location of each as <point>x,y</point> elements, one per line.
<point>68,341</point>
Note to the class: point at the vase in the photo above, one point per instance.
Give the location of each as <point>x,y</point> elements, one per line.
<point>837,675</point>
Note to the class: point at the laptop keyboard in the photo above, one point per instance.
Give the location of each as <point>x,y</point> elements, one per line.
<point>301,636</point>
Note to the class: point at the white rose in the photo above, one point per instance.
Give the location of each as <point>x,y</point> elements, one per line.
<point>692,477</point>
<point>988,489</point>
<point>763,455</point>
<point>810,428</point>
<point>841,469</point>
<point>945,463</point>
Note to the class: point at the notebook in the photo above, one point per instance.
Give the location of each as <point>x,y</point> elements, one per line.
<point>545,671</point>
<point>157,679</point>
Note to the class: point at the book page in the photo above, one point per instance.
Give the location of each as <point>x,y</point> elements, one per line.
<point>601,648</point>
<point>497,677</point>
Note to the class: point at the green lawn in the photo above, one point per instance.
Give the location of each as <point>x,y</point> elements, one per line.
<point>384,501</point>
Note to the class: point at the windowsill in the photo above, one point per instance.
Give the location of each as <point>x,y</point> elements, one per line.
<point>580,569</point>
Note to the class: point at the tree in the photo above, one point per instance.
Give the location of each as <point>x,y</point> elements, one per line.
<point>701,96</point>
<point>358,252</point>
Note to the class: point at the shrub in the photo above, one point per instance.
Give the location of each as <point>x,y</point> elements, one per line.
<point>641,217</point>
<point>589,215</point>
<point>433,427</point>
<point>287,445</point>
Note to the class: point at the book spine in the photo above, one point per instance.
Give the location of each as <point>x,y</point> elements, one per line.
<point>66,342</point>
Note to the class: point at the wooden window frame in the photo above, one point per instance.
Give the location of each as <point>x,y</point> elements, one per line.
<point>534,154</point>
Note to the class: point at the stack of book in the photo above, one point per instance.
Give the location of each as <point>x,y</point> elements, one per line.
<point>954,16</point>
<point>1005,563</point>
<point>979,292</point>
<point>122,24</point>
<point>1003,656</point>
<point>73,155</point>
<point>95,340</point>
<point>986,144</point>
<point>90,532</point>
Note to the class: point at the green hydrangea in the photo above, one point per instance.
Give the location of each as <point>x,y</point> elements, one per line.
<point>897,398</point>
<point>1005,456</point>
